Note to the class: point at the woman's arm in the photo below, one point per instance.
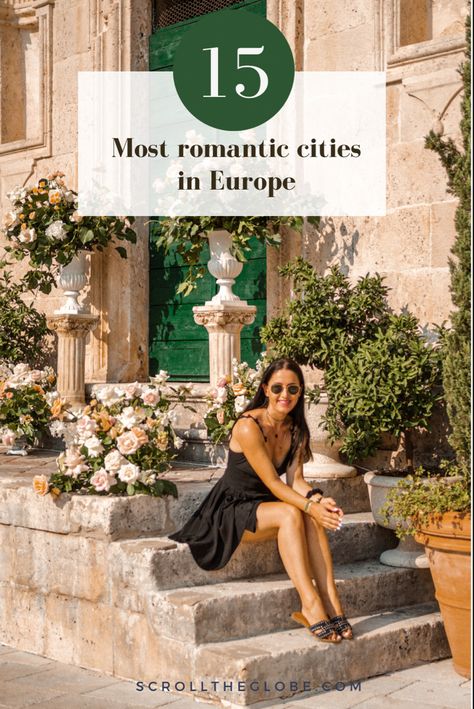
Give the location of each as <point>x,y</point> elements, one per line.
<point>250,439</point>
<point>295,478</point>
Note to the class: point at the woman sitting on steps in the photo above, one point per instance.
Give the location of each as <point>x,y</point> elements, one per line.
<point>251,503</point>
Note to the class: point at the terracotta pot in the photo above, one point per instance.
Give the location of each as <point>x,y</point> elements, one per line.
<point>447,540</point>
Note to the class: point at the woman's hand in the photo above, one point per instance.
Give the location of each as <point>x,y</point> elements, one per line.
<point>326,513</point>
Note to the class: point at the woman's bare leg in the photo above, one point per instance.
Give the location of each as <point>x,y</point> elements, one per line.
<point>291,537</point>
<point>321,565</point>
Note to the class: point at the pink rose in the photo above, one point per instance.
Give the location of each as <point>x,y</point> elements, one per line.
<point>8,438</point>
<point>101,480</point>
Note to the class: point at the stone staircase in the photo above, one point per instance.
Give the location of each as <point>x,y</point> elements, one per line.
<point>95,582</point>
<point>229,635</point>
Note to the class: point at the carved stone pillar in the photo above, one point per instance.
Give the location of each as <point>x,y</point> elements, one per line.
<point>72,332</point>
<point>224,322</point>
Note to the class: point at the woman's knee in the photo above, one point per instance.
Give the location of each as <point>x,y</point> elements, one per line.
<point>291,515</point>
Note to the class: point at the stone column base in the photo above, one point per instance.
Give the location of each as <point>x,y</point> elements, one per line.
<point>224,322</point>
<point>72,332</point>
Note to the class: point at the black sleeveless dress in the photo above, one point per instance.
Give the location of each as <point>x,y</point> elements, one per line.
<point>214,531</point>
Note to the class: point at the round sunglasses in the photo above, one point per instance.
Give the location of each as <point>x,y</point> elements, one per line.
<point>292,389</point>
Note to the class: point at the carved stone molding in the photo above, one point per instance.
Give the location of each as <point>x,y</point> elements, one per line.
<point>207,316</point>
<point>224,323</point>
<point>73,325</point>
<point>398,55</point>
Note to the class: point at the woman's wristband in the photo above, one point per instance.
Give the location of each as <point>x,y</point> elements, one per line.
<point>308,505</point>
<point>314,491</point>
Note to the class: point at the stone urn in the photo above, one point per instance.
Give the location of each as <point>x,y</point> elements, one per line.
<point>326,462</point>
<point>224,267</point>
<point>447,541</point>
<point>19,446</point>
<point>409,553</point>
<point>72,279</point>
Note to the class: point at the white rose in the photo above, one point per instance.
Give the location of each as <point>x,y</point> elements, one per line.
<point>114,460</point>
<point>56,230</point>
<point>108,395</point>
<point>73,457</point>
<point>150,396</point>
<point>94,446</point>
<point>101,480</point>
<point>132,390</point>
<point>86,426</point>
<point>221,395</point>
<point>10,220</point>
<point>129,473</point>
<point>160,378</point>
<point>240,404</point>
<point>27,236</point>
<point>76,471</point>
<point>128,417</point>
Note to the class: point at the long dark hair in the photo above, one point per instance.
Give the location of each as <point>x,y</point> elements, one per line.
<point>300,435</point>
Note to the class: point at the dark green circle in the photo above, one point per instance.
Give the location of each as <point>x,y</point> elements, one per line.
<point>230,30</point>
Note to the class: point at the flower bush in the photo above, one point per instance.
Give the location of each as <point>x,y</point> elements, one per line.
<point>226,402</point>
<point>28,402</point>
<point>45,227</point>
<point>229,399</point>
<point>119,444</point>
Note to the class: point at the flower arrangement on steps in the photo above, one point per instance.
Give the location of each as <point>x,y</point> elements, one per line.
<point>121,443</point>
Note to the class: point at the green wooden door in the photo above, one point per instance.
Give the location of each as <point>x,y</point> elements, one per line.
<point>177,344</point>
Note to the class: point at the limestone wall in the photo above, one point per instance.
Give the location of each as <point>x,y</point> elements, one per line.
<point>44,43</point>
<point>420,44</point>
<point>43,46</point>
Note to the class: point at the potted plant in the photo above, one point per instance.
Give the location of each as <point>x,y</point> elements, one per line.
<point>379,371</point>
<point>45,227</point>
<point>439,510</point>
<point>228,239</point>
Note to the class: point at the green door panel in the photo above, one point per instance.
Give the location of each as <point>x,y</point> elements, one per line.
<point>177,343</point>
<point>164,43</point>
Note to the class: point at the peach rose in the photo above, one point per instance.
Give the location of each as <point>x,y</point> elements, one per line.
<point>141,435</point>
<point>239,389</point>
<point>128,443</point>
<point>40,484</point>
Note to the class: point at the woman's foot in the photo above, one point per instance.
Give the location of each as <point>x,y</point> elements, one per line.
<point>316,615</point>
<point>342,626</point>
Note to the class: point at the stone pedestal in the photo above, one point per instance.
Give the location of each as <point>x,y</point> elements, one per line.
<point>72,331</point>
<point>326,462</point>
<point>223,321</point>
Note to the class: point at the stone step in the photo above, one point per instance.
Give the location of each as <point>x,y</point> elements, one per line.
<point>238,609</point>
<point>163,564</point>
<point>282,664</point>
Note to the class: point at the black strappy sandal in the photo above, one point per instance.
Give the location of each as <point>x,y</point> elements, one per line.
<point>321,630</point>
<point>341,625</point>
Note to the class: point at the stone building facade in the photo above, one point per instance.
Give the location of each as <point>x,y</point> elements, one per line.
<point>420,43</point>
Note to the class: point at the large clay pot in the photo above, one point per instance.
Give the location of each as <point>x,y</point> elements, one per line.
<point>447,540</point>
